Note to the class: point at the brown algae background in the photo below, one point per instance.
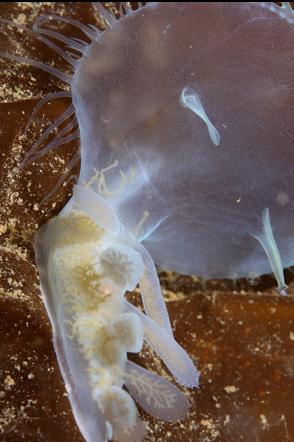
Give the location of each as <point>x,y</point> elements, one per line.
<point>241,337</point>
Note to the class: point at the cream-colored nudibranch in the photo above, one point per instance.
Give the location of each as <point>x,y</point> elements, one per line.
<point>87,262</point>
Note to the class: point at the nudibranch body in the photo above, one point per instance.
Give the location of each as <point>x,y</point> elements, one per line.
<point>184,113</point>
<point>85,269</point>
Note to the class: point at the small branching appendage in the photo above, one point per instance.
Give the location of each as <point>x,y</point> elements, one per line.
<point>99,180</point>
<point>156,394</point>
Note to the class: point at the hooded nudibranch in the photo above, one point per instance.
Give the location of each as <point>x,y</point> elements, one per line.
<point>185,118</point>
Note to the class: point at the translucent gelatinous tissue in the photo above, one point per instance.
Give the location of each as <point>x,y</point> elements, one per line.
<point>203,180</point>
<point>185,119</point>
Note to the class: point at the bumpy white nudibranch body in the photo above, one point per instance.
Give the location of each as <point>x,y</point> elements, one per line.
<point>85,271</point>
<point>83,268</point>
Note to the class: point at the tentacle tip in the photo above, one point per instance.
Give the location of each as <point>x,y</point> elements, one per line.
<point>196,383</point>
<point>283,290</point>
<point>192,382</point>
